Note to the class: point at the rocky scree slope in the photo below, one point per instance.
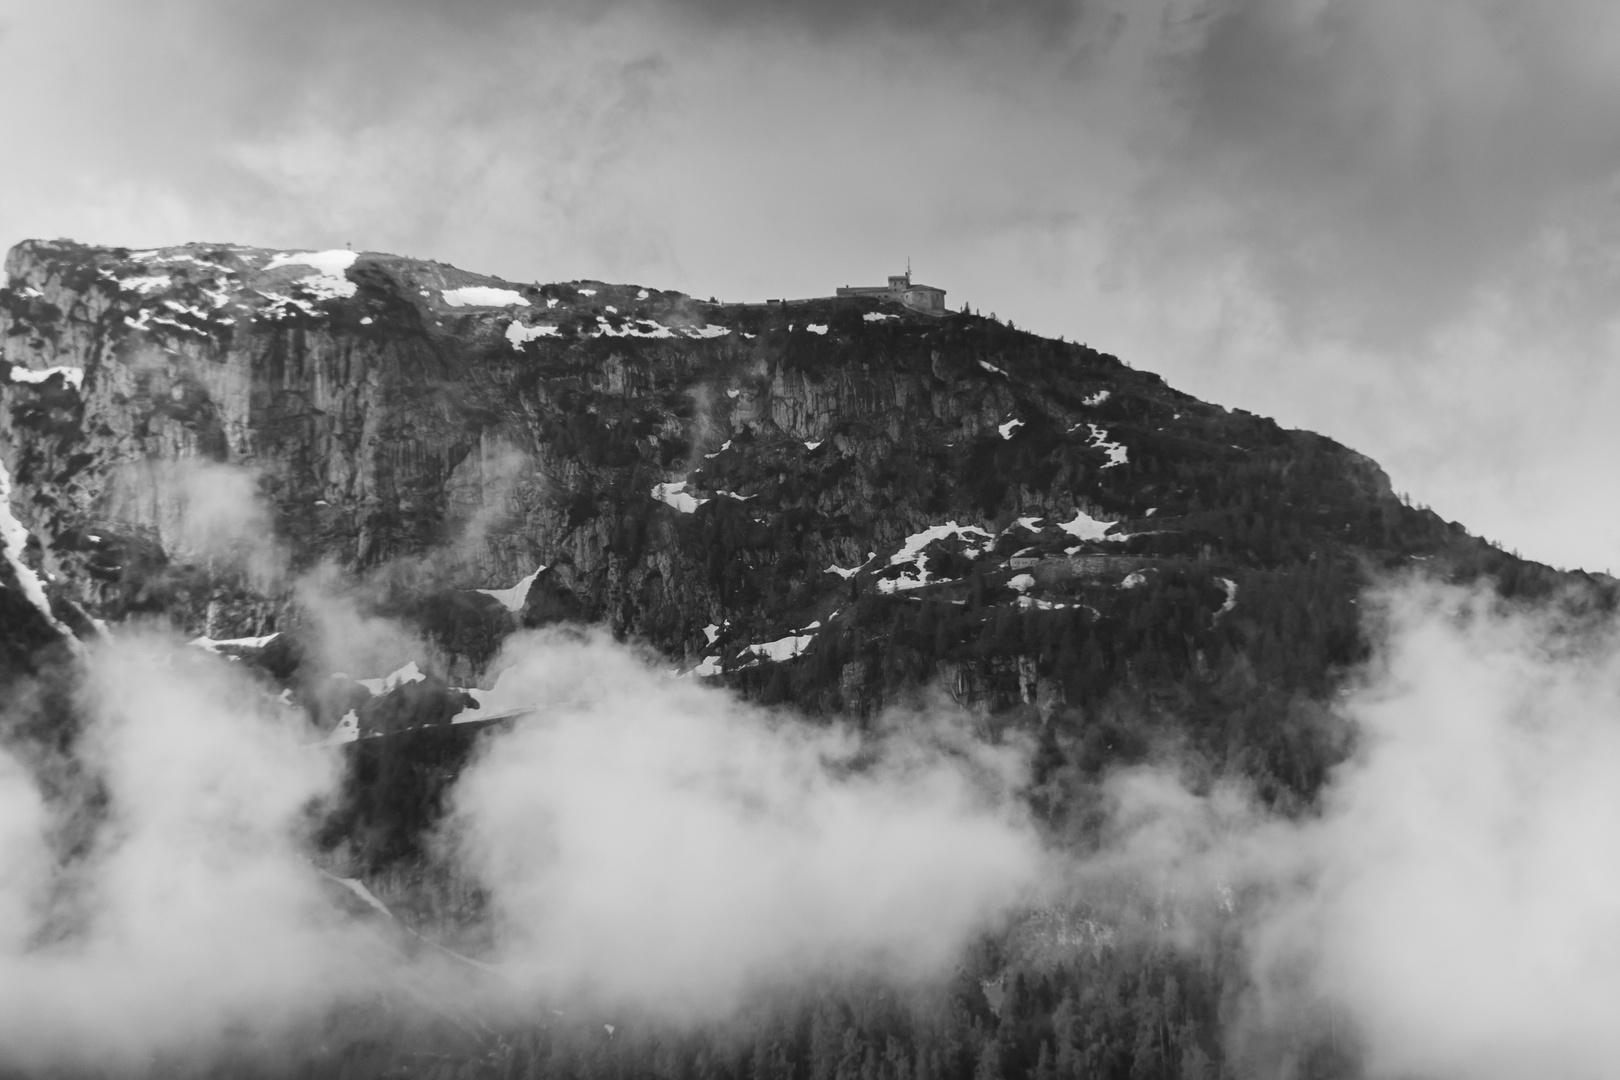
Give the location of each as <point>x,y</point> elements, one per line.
<point>832,503</point>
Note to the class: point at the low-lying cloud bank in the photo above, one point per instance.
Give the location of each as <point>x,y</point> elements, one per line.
<point>1462,902</point>
<point>672,847</point>
<point>654,844</point>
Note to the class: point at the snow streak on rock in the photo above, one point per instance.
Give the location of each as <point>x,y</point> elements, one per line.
<point>216,645</point>
<point>15,537</point>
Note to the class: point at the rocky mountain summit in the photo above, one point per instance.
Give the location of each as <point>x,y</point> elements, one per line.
<point>829,502</point>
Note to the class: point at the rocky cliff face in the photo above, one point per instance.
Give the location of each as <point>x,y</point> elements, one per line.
<point>775,493</point>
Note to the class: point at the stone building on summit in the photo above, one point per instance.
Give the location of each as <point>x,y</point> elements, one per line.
<point>924,298</point>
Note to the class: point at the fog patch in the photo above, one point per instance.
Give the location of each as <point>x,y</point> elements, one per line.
<point>658,844</point>
<point>1451,908</point>
<point>1462,905</point>
<point>194,911</point>
<point>205,512</point>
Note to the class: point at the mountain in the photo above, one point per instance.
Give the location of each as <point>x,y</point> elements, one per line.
<point>839,505</point>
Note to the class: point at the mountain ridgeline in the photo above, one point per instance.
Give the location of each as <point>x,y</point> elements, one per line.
<point>842,507</point>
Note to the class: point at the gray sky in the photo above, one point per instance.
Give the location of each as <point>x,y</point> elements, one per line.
<point>1390,222</point>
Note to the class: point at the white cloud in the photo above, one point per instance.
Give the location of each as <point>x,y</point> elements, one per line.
<point>662,845</point>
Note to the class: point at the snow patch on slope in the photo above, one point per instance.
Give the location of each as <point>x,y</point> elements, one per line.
<point>329,280</point>
<point>146,283</point>
<point>638,328</point>
<point>911,553</point>
<point>852,571</point>
<point>519,335</point>
<point>214,645</point>
<point>784,648</point>
<point>676,495</point>
<point>1117,454</point>
<point>483,296</point>
<point>410,673</point>
<point>1086,527</point>
<point>73,376</point>
<point>347,730</point>
<point>514,598</point>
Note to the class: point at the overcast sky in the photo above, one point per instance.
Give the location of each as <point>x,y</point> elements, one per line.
<point>1392,222</point>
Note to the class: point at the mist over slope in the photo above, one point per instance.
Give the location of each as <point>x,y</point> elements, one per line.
<point>407,662</point>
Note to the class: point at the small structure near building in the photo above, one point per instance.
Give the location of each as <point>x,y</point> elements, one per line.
<point>924,298</point>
